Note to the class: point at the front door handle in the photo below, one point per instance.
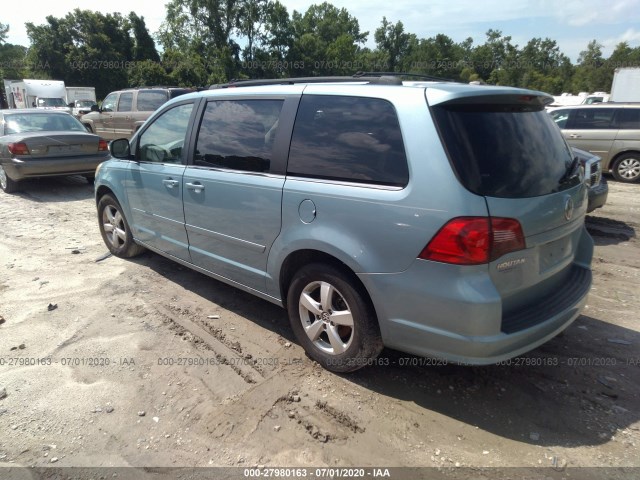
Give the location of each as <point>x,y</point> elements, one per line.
<point>574,135</point>
<point>170,183</point>
<point>196,187</point>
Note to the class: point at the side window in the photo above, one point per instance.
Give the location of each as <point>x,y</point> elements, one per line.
<point>109,103</point>
<point>150,100</point>
<point>592,119</point>
<point>560,117</point>
<point>124,104</point>
<point>628,118</point>
<point>164,139</point>
<point>238,134</point>
<point>352,139</point>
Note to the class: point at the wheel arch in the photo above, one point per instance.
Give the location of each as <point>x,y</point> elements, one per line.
<point>299,258</point>
<point>103,190</point>
<point>614,159</point>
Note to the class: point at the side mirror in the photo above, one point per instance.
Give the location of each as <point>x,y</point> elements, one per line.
<point>120,148</point>
<point>95,108</point>
<point>71,105</point>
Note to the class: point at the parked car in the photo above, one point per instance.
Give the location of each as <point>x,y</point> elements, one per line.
<point>597,184</point>
<point>124,111</point>
<point>43,143</point>
<point>609,130</point>
<point>439,219</point>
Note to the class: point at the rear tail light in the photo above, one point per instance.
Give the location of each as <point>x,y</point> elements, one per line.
<point>18,148</point>
<point>474,240</point>
<point>103,146</point>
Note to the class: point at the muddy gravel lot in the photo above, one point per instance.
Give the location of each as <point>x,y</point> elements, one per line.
<point>143,363</point>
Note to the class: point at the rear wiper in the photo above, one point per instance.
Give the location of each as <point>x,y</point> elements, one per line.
<point>572,171</point>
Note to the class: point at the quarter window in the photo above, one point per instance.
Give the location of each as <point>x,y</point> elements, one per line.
<point>163,141</point>
<point>353,139</point>
<point>238,134</point>
<point>629,118</point>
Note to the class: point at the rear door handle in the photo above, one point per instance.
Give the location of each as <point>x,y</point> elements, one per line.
<point>196,187</point>
<point>170,183</point>
<point>574,135</point>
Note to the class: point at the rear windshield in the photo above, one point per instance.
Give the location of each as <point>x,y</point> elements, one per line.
<point>504,150</point>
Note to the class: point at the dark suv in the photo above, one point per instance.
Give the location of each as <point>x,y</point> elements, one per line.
<point>124,111</point>
<point>438,219</point>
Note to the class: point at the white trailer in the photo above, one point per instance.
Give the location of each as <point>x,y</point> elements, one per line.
<point>81,99</point>
<point>626,85</point>
<point>7,94</point>
<point>80,93</point>
<point>44,94</point>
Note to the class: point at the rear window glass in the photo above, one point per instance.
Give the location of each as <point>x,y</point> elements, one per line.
<point>502,151</point>
<point>352,139</point>
<point>38,122</point>
<point>150,100</point>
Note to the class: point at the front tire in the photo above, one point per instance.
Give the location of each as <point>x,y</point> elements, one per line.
<point>332,319</point>
<point>115,229</point>
<point>627,168</point>
<point>7,184</point>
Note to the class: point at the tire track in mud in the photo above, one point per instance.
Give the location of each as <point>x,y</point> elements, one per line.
<point>229,357</point>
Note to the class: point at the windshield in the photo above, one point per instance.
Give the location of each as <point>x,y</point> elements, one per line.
<point>505,151</point>
<point>51,102</point>
<point>36,122</point>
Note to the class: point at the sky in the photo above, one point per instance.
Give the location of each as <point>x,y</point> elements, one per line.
<point>571,23</point>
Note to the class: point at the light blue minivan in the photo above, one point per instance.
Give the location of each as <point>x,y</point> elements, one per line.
<point>439,219</point>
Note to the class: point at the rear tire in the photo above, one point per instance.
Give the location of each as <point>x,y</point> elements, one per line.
<point>7,184</point>
<point>115,229</point>
<point>332,319</point>
<point>627,168</point>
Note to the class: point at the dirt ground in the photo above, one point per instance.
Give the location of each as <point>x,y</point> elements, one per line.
<point>117,363</point>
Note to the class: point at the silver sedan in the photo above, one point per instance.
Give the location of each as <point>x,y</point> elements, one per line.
<point>43,143</point>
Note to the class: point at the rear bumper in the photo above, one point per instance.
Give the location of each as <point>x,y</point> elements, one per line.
<point>20,169</point>
<point>598,195</point>
<point>460,318</point>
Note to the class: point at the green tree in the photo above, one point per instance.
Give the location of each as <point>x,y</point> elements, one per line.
<point>495,54</point>
<point>4,32</point>
<point>393,43</point>
<point>327,41</point>
<point>12,57</point>
<point>83,48</point>
<point>201,28</point>
<point>250,21</point>
<point>147,73</point>
<point>144,48</point>
<point>590,76</point>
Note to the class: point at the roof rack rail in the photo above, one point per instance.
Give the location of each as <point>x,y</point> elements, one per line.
<point>374,79</point>
<point>404,74</point>
<point>377,78</point>
<point>151,86</point>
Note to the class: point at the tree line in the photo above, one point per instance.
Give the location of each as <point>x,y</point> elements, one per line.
<point>202,42</point>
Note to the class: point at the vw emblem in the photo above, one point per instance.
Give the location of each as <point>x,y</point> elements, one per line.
<point>568,208</point>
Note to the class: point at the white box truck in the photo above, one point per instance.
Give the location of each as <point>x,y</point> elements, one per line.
<point>626,85</point>
<point>81,99</point>
<point>44,94</point>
